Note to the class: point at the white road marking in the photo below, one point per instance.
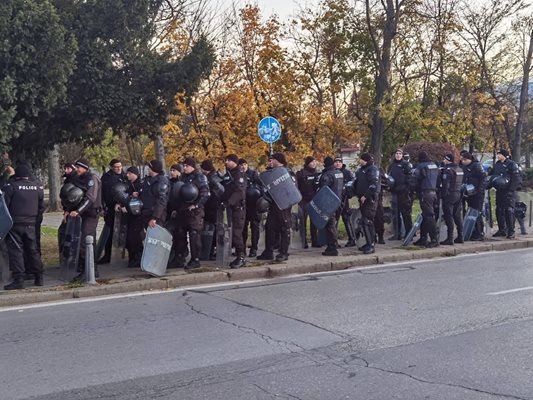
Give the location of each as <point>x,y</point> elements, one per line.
<point>510,291</point>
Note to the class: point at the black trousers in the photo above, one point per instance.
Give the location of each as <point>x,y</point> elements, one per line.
<point>191,222</point>
<point>312,228</point>
<point>88,228</point>
<point>21,241</point>
<point>505,203</point>
<point>134,237</point>
<point>109,220</point>
<point>452,210</point>
<point>402,206</point>
<point>428,205</point>
<point>278,226</point>
<point>252,220</point>
<point>331,233</point>
<point>238,215</point>
<point>368,214</point>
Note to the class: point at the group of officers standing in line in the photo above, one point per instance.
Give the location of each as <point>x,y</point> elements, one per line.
<point>188,201</point>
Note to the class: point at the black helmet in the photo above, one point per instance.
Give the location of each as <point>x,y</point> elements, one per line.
<point>135,206</point>
<point>262,205</point>
<point>71,195</point>
<point>189,193</point>
<point>252,195</point>
<point>175,192</point>
<point>500,182</point>
<point>349,188</point>
<point>120,193</point>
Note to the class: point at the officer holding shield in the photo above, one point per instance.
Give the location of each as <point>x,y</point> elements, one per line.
<point>307,182</point>
<point>450,184</point>
<point>475,176</point>
<point>253,217</point>
<point>235,198</point>
<point>89,209</point>
<point>400,170</point>
<point>506,179</point>
<point>135,227</point>
<point>333,178</point>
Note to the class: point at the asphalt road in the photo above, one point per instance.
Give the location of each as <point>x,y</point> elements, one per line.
<point>459,328</point>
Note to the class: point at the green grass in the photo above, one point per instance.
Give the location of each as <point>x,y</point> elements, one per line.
<point>49,246</point>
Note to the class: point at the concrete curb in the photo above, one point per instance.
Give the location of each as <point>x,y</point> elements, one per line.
<point>293,267</point>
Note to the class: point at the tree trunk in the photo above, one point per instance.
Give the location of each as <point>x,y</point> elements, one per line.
<point>523,108</point>
<point>159,149</point>
<point>54,179</point>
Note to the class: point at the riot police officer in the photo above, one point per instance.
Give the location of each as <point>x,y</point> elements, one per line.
<point>190,214</point>
<point>505,178</point>
<point>278,224</point>
<point>24,197</point>
<point>235,198</point>
<point>424,180</point>
<point>110,179</point>
<point>307,183</point>
<point>400,170</point>
<point>367,190</point>
<point>154,195</point>
<point>89,209</point>
<point>135,227</point>
<point>212,204</point>
<point>450,183</point>
<point>254,190</point>
<point>333,178</point>
<point>344,210</point>
<point>475,175</point>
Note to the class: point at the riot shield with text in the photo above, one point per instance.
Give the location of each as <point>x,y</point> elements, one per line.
<point>6,222</point>
<point>469,222</point>
<point>411,234</point>
<point>102,240</point>
<point>223,229</point>
<point>281,187</point>
<point>207,241</point>
<point>297,227</point>
<point>323,207</point>
<point>157,247</point>
<point>70,251</point>
<point>120,231</point>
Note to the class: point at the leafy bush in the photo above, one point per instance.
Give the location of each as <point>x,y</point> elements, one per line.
<point>528,178</point>
<point>435,151</point>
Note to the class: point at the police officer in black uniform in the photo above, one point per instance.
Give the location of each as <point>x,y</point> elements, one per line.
<point>475,175</point>
<point>506,179</point>
<point>110,179</point>
<point>190,214</point>
<point>333,178</point>
<point>307,183</point>
<point>424,181</point>
<point>278,224</point>
<point>235,199</point>
<point>211,206</point>
<point>89,209</point>
<point>254,190</point>
<point>154,195</point>
<point>344,210</point>
<point>135,227</point>
<point>400,170</point>
<point>24,198</point>
<point>450,184</point>
<point>367,190</point>
<point>70,175</point>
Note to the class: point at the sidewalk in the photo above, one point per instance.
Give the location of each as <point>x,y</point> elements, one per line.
<point>116,278</point>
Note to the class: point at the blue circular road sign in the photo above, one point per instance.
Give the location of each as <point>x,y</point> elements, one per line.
<point>269,129</point>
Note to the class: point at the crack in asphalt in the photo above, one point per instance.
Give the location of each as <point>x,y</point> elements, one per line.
<point>276,396</point>
<point>421,380</point>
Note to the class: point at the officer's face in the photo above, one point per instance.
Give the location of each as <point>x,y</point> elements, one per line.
<point>337,164</point>
<point>117,168</point>
<point>500,157</point>
<point>244,167</point>
<point>187,169</point>
<point>398,155</point>
<point>466,161</point>
<point>131,176</point>
<point>67,170</point>
<point>80,170</point>
<point>362,162</point>
<point>230,164</point>
<point>174,173</point>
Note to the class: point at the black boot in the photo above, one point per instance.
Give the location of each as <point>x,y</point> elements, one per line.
<point>18,283</point>
<point>38,281</point>
<point>238,262</point>
<point>350,243</point>
<point>104,260</point>
<point>447,242</point>
<point>330,252</point>
<point>380,238</point>
<point>193,263</point>
<point>459,238</point>
<point>253,253</point>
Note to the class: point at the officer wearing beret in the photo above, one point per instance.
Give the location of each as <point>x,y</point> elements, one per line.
<point>24,197</point>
